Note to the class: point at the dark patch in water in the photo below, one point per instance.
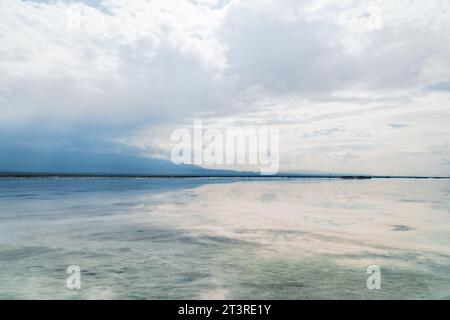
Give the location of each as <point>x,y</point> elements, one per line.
<point>400,227</point>
<point>31,196</point>
<point>119,271</point>
<point>22,253</point>
<point>167,235</point>
<point>285,283</point>
<point>154,235</point>
<point>420,201</point>
<point>226,240</point>
<point>191,276</point>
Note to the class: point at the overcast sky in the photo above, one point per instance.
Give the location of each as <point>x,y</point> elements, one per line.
<point>354,86</point>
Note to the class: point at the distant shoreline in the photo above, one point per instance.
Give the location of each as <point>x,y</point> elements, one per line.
<point>255,176</point>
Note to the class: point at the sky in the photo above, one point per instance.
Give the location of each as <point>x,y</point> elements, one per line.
<point>353,86</point>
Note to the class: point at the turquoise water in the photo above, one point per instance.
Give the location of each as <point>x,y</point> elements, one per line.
<point>224,238</point>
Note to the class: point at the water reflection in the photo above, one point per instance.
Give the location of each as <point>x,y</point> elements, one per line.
<point>224,238</point>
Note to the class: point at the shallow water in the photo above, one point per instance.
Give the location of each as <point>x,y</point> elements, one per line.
<point>224,238</point>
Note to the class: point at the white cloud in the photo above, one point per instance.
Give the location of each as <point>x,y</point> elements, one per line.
<point>130,71</point>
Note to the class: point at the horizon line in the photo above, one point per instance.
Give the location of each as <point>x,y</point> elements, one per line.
<point>233,175</point>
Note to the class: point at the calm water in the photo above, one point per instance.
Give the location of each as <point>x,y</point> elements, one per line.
<point>224,238</point>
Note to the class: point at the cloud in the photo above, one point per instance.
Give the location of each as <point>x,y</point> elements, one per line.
<point>108,72</point>
<point>272,46</point>
<point>87,74</point>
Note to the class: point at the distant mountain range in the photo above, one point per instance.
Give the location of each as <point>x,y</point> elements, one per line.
<point>24,162</point>
<point>18,160</point>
